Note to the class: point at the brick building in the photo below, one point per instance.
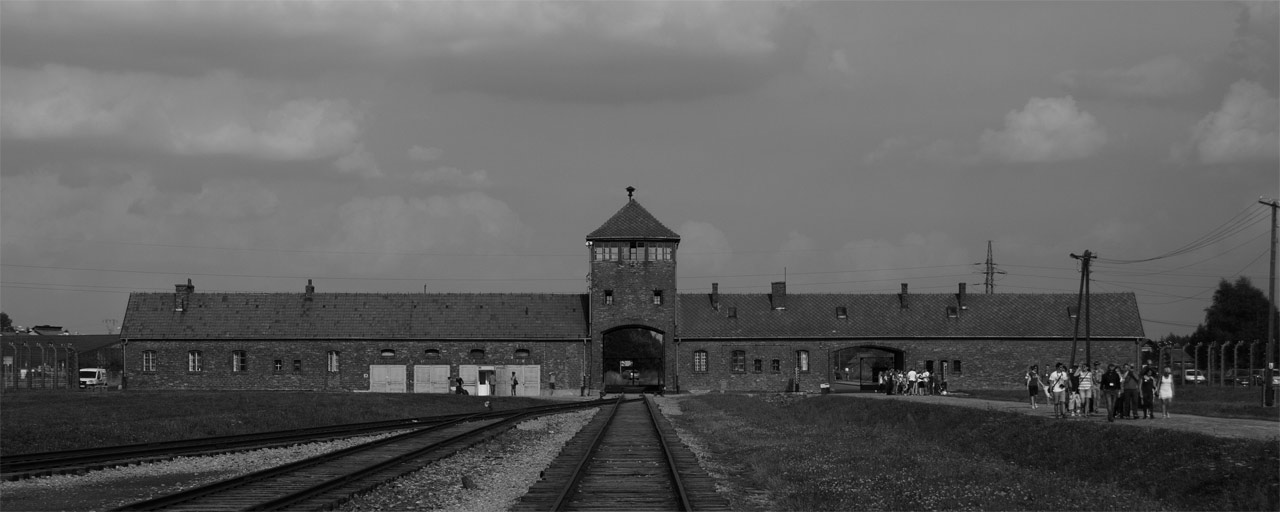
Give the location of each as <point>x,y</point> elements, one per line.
<point>632,329</point>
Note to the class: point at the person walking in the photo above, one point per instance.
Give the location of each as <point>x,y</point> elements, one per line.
<point>1166,390</point>
<point>1033,384</point>
<point>1058,382</point>
<point>1132,383</point>
<point>913,382</point>
<point>514,383</point>
<point>1085,376</point>
<point>1111,391</point>
<point>1148,389</point>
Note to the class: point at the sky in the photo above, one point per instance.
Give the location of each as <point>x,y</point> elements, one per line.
<point>470,147</point>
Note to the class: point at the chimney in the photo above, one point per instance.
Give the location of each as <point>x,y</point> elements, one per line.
<point>902,297</point>
<point>779,294</point>
<point>960,297</point>
<point>715,296</point>
<point>311,290</point>
<point>182,295</point>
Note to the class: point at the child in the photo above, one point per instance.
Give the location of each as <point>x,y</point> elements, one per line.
<point>1075,403</point>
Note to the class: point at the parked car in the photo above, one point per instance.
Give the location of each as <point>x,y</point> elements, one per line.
<point>1192,376</point>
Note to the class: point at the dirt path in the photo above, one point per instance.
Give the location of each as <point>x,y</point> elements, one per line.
<point>1221,427</point>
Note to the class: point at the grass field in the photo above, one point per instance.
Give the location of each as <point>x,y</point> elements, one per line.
<point>45,421</point>
<point>840,453</point>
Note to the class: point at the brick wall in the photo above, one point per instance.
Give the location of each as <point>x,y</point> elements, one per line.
<point>633,284</point>
<point>985,364</point>
<point>564,358</point>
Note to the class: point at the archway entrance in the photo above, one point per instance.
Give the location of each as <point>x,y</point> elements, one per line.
<point>859,368</point>
<point>633,360</point>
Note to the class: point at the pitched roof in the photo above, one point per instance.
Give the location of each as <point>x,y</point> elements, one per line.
<point>357,315</point>
<point>633,222</point>
<point>1012,315</point>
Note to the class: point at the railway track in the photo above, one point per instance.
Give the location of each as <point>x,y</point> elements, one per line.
<point>17,467</point>
<point>323,482</point>
<point>627,458</point>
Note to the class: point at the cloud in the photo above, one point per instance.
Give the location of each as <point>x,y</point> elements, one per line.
<point>470,222</point>
<point>1161,78</point>
<point>704,249</point>
<point>564,51</point>
<point>1046,130</point>
<point>1256,47</point>
<point>228,200</point>
<point>1246,127</point>
<point>421,154</point>
<point>359,162</point>
<point>452,176</point>
<point>214,114</point>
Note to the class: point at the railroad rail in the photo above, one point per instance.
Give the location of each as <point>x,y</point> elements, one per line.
<point>16,467</point>
<point>626,458</point>
<point>325,481</point>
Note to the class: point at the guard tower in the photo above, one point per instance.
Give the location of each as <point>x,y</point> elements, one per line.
<point>632,299</point>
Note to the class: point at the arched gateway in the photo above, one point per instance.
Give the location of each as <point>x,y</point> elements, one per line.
<point>633,360</point>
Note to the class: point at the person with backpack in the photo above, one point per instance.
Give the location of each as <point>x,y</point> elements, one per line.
<point>1111,391</point>
<point>1058,381</point>
<point>514,383</point>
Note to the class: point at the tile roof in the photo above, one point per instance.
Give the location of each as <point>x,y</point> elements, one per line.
<point>1004,315</point>
<point>357,315</point>
<point>632,222</point>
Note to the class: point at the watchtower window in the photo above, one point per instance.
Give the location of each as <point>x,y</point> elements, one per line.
<point>608,297</point>
<point>606,252</point>
<point>635,250</point>
<point>657,297</point>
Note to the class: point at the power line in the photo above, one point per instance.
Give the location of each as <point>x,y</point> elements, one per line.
<point>1232,226</point>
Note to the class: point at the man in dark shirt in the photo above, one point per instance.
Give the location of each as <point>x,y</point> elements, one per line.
<point>1131,382</point>
<point>1111,390</point>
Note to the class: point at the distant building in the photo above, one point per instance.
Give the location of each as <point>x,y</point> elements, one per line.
<point>631,329</point>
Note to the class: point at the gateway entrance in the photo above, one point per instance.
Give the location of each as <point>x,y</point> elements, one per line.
<point>859,368</point>
<point>633,361</point>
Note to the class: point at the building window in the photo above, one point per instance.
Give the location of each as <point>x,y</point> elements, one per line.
<point>297,366</point>
<point>432,353</point>
<point>277,365</point>
<point>148,360</point>
<point>928,366</point>
<point>332,357</point>
<point>738,361</point>
<point>522,353</point>
<point>608,297</point>
<point>195,361</point>
<point>733,312</point>
<point>1072,312</point>
<point>952,312</point>
<point>657,297</point>
<point>386,352</point>
<point>239,360</point>
<point>476,353</point>
<point>606,252</point>
<point>700,361</point>
<point>776,366</point>
<point>955,366</point>
<point>758,366</point>
<point>635,251</point>
<point>802,360</point>
<point>842,312</point>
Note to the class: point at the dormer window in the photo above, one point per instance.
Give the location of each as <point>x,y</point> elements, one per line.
<point>952,312</point>
<point>733,312</point>
<point>842,312</point>
<point>1073,312</point>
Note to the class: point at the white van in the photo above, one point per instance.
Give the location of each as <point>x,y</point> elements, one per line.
<point>93,378</point>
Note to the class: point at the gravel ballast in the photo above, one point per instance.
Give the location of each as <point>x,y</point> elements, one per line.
<point>497,473</point>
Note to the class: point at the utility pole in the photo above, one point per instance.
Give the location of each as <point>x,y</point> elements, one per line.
<point>990,272</point>
<point>1271,310</point>
<point>1083,312</point>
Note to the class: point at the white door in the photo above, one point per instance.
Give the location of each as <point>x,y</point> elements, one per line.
<point>530,380</point>
<point>431,378</point>
<point>387,378</point>
<point>470,373</point>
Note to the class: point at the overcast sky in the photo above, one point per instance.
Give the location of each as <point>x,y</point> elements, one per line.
<point>470,147</point>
